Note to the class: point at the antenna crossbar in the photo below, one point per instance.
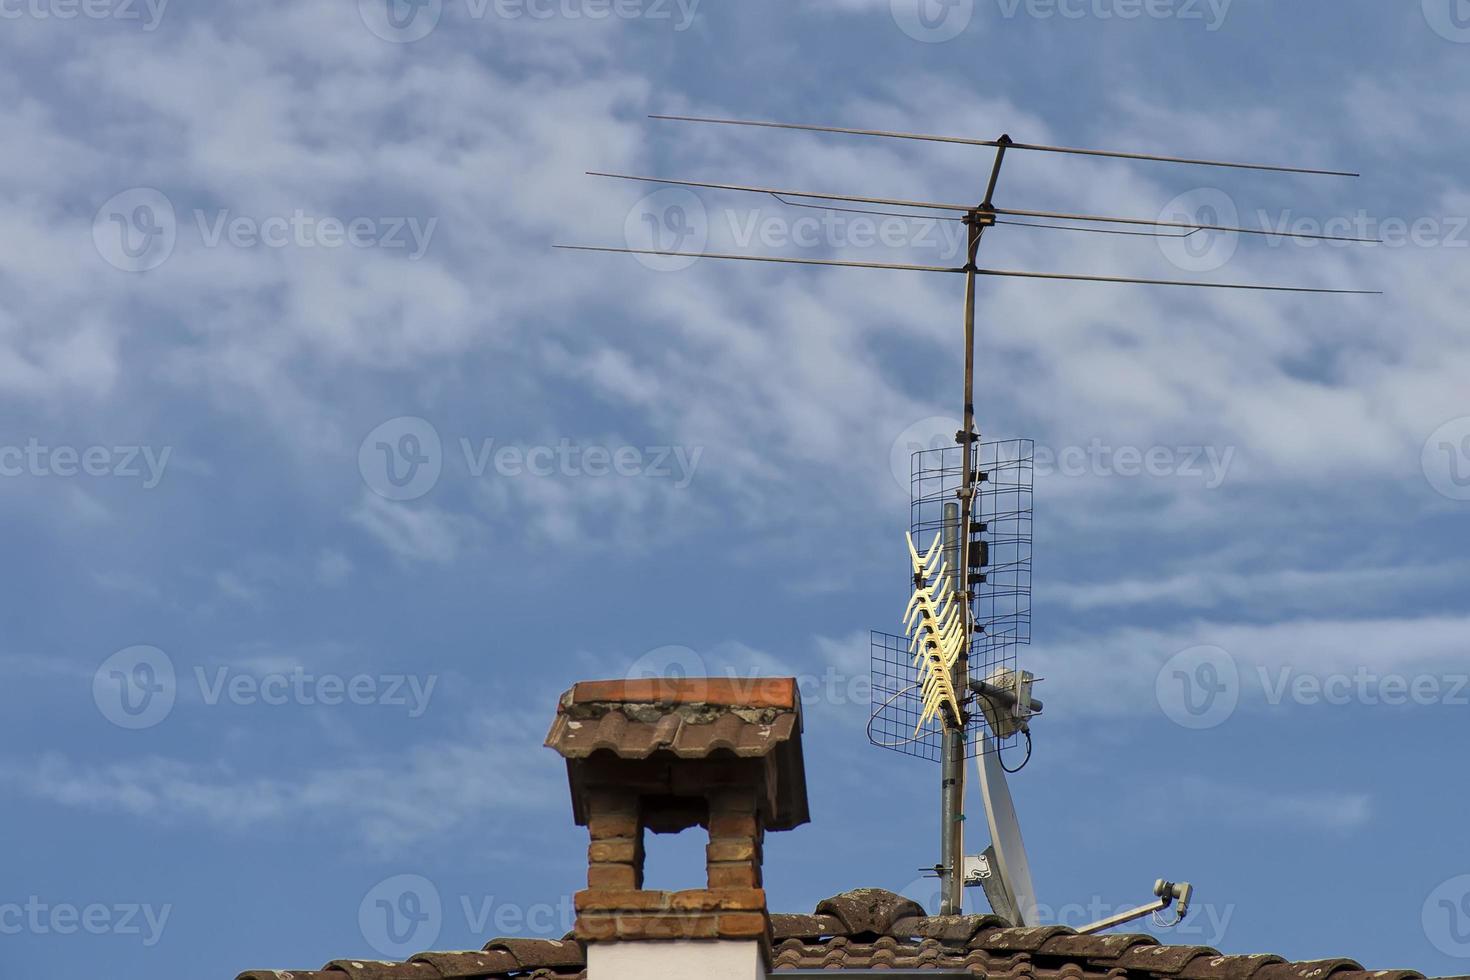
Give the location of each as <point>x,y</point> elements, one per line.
<point>983,210</point>
<point>1013,273</point>
<point>1039,147</point>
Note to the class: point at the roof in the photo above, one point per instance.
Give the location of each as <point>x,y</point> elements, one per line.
<point>875,929</point>
<point>690,718</point>
<point>695,724</point>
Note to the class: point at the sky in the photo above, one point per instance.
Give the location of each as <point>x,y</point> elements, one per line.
<point>322,474</point>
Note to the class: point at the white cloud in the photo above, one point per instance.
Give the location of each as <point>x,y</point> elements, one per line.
<point>415,532</point>
<point>435,789</point>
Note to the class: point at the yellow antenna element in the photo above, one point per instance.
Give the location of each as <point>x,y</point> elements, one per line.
<point>936,631</point>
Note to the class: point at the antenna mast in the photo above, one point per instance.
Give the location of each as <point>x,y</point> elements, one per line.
<point>974,714</point>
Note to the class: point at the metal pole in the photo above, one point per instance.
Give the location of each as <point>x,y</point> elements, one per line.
<point>952,788</point>
<point>953,849</point>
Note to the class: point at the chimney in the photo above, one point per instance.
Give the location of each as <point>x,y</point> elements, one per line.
<point>664,756</point>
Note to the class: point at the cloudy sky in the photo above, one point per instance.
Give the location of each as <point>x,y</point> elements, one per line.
<point>323,474</point>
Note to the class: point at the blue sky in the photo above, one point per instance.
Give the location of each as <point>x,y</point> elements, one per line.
<point>257,686</point>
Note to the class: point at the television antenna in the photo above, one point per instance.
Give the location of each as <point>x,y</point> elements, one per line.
<point>971,714</point>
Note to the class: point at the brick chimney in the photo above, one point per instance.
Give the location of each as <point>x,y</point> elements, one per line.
<point>664,756</point>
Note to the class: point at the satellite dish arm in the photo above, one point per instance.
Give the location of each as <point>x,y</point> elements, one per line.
<point>1167,892</point>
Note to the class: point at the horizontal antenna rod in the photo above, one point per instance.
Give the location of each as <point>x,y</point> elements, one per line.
<point>1014,146</point>
<point>764,258</point>
<point>979,272</point>
<point>968,208</point>
<point>778,192</point>
<point>1154,222</point>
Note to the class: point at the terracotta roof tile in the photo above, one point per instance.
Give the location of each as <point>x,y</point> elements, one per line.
<point>1104,946</point>
<point>686,737</point>
<point>377,970</point>
<point>1308,970</point>
<point>787,926</point>
<point>1228,967</point>
<point>869,911</point>
<point>1019,940</point>
<point>453,966</point>
<point>557,953</point>
<point>872,928</point>
<point>1165,960</point>
<point>759,692</point>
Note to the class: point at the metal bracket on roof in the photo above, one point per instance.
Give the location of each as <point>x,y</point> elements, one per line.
<point>1167,892</point>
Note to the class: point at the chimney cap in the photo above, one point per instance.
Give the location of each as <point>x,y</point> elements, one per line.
<point>686,737</point>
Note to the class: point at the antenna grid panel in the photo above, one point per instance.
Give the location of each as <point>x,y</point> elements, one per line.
<point>999,586</point>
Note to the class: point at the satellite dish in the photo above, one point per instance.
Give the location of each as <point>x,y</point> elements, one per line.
<point>1010,881</point>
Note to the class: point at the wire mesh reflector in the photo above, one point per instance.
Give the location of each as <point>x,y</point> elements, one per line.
<point>1000,588</point>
